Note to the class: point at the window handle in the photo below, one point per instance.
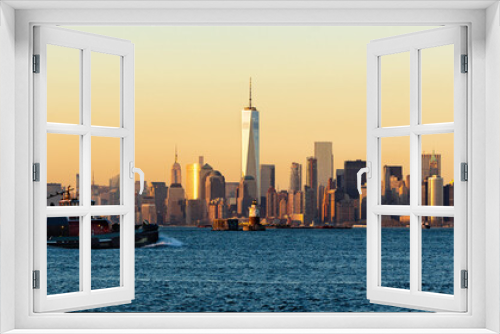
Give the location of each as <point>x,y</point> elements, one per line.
<point>368,171</point>
<point>134,170</point>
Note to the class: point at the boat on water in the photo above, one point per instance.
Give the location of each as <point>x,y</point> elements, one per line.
<point>64,232</point>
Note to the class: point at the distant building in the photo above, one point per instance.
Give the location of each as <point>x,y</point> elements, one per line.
<point>324,156</point>
<point>309,205</point>
<point>195,211</point>
<point>431,165</point>
<point>272,203</point>
<point>160,192</point>
<point>267,180</point>
<point>206,169</point>
<point>393,176</point>
<point>217,210</point>
<point>283,208</point>
<point>312,183</point>
<point>215,186</point>
<point>176,206</point>
<point>250,145</point>
<point>193,181</point>
<point>346,210</point>
<point>435,196</point>
<point>295,177</point>
<point>448,195</point>
<point>246,194</point>
<point>54,194</point>
<point>340,179</point>
<point>175,174</point>
<point>351,169</point>
<point>148,211</point>
<point>327,213</point>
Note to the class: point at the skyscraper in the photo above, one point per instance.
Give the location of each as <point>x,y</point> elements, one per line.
<point>324,156</point>
<point>427,159</point>
<point>204,173</point>
<point>246,188</point>
<point>295,177</point>
<point>215,186</point>
<point>250,144</point>
<point>175,177</point>
<point>193,181</point>
<point>312,183</point>
<point>267,178</point>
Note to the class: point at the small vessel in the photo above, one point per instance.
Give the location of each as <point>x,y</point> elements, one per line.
<point>64,232</point>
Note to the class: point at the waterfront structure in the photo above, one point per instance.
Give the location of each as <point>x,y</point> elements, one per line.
<point>246,194</point>
<point>160,192</point>
<point>250,144</point>
<point>324,156</point>
<point>175,174</point>
<point>193,181</point>
<point>312,183</point>
<point>351,169</point>
<point>295,177</point>
<point>215,186</point>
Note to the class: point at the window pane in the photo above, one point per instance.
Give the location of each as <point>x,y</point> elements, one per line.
<point>106,171</point>
<point>395,89</point>
<point>105,252</point>
<point>437,254</point>
<point>63,84</point>
<point>437,84</point>
<point>106,86</point>
<point>63,166</point>
<point>395,169</point>
<point>63,255</point>
<point>437,169</point>
<point>395,251</point>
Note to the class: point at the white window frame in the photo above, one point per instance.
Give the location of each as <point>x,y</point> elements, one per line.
<point>16,126</point>
<point>413,44</point>
<point>86,44</point>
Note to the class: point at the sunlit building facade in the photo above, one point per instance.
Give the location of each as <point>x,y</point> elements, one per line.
<point>250,145</point>
<point>193,181</point>
<point>324,156</point>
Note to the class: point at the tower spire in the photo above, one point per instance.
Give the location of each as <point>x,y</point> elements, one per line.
<point>250,105</point>
<point>176,153</point>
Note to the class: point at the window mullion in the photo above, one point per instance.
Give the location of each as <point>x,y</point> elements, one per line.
<point>415,229</point>
<point>85,184</point>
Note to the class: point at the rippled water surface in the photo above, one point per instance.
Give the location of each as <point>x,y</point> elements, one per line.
<point>198,270</point>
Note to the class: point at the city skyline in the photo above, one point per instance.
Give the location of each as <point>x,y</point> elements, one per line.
<point>319,101</point>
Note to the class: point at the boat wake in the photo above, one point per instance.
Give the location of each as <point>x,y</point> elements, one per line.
<point>164,241</point>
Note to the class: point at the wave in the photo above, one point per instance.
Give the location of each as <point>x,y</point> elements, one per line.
<point>164,241</point>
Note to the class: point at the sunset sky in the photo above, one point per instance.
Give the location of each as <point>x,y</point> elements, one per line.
<point>191,83</point>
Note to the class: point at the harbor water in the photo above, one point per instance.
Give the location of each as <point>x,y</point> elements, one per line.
<point>281,270</point>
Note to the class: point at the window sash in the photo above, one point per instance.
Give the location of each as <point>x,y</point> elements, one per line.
<point>414,298</point>
<point>86,298</point>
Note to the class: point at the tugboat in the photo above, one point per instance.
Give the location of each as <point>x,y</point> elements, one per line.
<point>64,232</point>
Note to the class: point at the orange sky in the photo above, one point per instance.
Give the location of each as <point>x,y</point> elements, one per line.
<point>309,84</point>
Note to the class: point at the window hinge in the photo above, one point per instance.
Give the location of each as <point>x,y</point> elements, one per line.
<point>464,171</point>
<point>36,63</point>
<point>36,279</point>
<point>465,64</point>
<point>36,172</point>
<point>465,279</point>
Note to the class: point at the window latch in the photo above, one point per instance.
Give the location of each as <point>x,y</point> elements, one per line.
<point>464,279</point>
<point>36,172</point>
<point>132,171</point>
<point>368,171</point>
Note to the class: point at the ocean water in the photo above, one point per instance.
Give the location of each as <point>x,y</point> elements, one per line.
<point>199,270</point>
